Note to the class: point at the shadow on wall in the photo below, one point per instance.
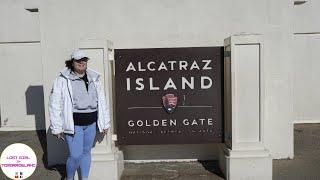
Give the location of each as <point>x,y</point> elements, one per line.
<point>35,106</point>
<point>212,166</point>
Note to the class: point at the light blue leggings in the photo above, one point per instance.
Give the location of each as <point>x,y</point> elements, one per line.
<point>80,145</point>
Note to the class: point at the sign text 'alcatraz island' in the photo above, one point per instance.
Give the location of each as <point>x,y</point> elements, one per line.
<point>168,95</point>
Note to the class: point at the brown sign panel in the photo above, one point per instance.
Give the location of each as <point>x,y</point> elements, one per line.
<point>169,95</point>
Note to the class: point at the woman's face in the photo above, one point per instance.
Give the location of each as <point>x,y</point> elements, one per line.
<point>80,66</point>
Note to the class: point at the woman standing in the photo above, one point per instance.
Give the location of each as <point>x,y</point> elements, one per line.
<point>77,106</point>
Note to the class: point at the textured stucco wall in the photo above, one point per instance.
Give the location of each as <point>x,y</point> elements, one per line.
<point>167,23</point>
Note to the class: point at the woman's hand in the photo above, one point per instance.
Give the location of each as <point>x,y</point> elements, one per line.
<point>105,131</point>
<point>60,136</point>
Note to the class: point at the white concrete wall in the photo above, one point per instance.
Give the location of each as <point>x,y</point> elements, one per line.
<point>173,23</point>
<point>306,62</point>
<point>306,17</point>
<point>21,93</point>
<point>306,78</point>
<point>278,79</point>
<point>18,24</point>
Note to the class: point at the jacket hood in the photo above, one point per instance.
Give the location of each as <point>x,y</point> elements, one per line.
<point>94,75</point>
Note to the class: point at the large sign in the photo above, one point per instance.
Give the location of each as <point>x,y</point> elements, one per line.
<point>169,95</point>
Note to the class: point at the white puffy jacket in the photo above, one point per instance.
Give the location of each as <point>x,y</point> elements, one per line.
<point>61,104</point>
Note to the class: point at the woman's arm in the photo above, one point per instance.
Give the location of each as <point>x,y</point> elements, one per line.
<point>104,107</point>
<point>55,108</point>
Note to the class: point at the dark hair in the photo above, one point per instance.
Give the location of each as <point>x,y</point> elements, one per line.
<point>69,64</point>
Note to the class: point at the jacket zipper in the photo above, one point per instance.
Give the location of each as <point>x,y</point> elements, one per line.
<point>74,129</point>
<point>96,88</point>
<point>69,91</point>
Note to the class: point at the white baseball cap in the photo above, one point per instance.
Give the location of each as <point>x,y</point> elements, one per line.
<point>78,54</point>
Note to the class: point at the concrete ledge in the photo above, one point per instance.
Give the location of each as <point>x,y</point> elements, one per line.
<point>106,166</point>
<point>241,166</point>
<point>107,169</point>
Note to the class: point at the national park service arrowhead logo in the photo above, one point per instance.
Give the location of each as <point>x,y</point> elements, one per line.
<point>169,102</point>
